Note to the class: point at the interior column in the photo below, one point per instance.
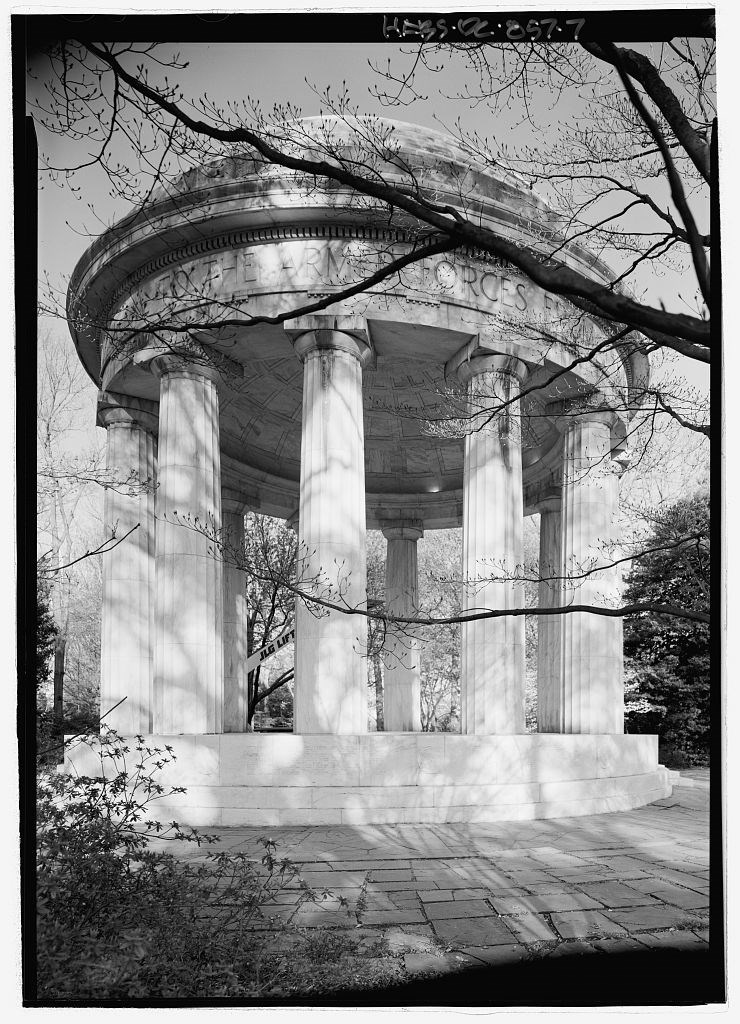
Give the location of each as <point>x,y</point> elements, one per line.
<point>236,694</point>
<point>492,663</point>
<point>330,671</point>
<point>127,630</point>
<point>401,668</point>
<point>549,626</point>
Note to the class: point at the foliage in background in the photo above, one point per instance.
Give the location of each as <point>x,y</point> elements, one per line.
<point>46,632</point>
<point>667,660</point>
<point>440,566</point>
<point>269,558</point>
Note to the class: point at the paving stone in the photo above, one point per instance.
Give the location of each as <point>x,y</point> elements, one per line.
<point>406,916</point>
<point>518,890</point>
<point>530,928</point>
<point>437,895</point>
<point>686,899</point>
<point>448,880</point>
<point>622,862</point>
<point>576,924</point>
<point>457,908</point>
<point>370,865</point>
<point>324,919</point>
<point>543,889</point>
<point>543,903</point>
<point>638,919</point>
<point>572,948</point>
<point>524,878</point>
<point>396,875</point>
<point>626,875</point>
<point>469,894</point>
<point>426,963</point>
<point>648,884</point>
<point>617,894</point>
<point>373,904</point>
<point>321,879</point>
<point>669,875</point>
<point>407,885</point>
<point>479,931</point>
<point>485,878</point>
<point>673,940</point>
<point>584,876</point>
<point>619,945</point>
<point>405,904</point>
<point>420,940</point>
<point>554,860</point>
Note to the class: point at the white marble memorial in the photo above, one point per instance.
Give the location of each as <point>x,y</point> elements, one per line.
<point>321,420</point>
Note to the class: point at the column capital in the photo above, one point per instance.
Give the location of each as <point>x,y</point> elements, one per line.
<point>590,407</point>
<point>115,409</point>
<point>496,363</point>
<point>185,355</point>
<point>402,529</point>
<point>332,340</point>
<point>233,501</point>
<point>551,503</point>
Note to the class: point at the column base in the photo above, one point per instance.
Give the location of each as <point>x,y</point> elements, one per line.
<point>259,779</point>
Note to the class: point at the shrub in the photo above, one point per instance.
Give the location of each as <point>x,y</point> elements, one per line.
<point>119,920</point>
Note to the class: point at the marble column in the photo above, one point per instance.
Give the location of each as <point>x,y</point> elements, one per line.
<point>330,670</point>
<point>188,663</point>
<point>401,668</point>
<point>492,664</point>
<point>549,626</point>
<point>236,694</point>
<point>591,646</point>
<point>127,633</point>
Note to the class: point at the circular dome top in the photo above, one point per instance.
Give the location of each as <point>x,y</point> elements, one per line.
<point>379,145</point>
<point>267,244</point>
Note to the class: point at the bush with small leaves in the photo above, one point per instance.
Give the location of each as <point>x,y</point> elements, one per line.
<point>119,920</point>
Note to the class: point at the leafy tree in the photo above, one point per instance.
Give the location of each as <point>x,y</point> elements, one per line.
<point>667,659</point>
<point>46,633</point>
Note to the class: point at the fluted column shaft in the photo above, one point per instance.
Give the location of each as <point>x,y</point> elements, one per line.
<point>330,671</point>
<point>236,695</point>
<point>492,664</point>
<point>188,675</point>
<point>591,646</point>
<point>127,630</point>
<point>549,626</point>
<point>401,667</point>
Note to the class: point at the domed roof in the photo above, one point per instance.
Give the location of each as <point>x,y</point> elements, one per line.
<point>380,145</point>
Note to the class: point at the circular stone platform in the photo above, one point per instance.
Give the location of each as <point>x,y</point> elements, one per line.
<point>399,778</point>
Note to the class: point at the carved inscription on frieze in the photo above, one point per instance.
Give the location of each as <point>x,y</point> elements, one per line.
<point>326,266</point>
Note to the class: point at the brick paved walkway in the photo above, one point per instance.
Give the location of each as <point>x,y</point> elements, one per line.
<point>450,896</point>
